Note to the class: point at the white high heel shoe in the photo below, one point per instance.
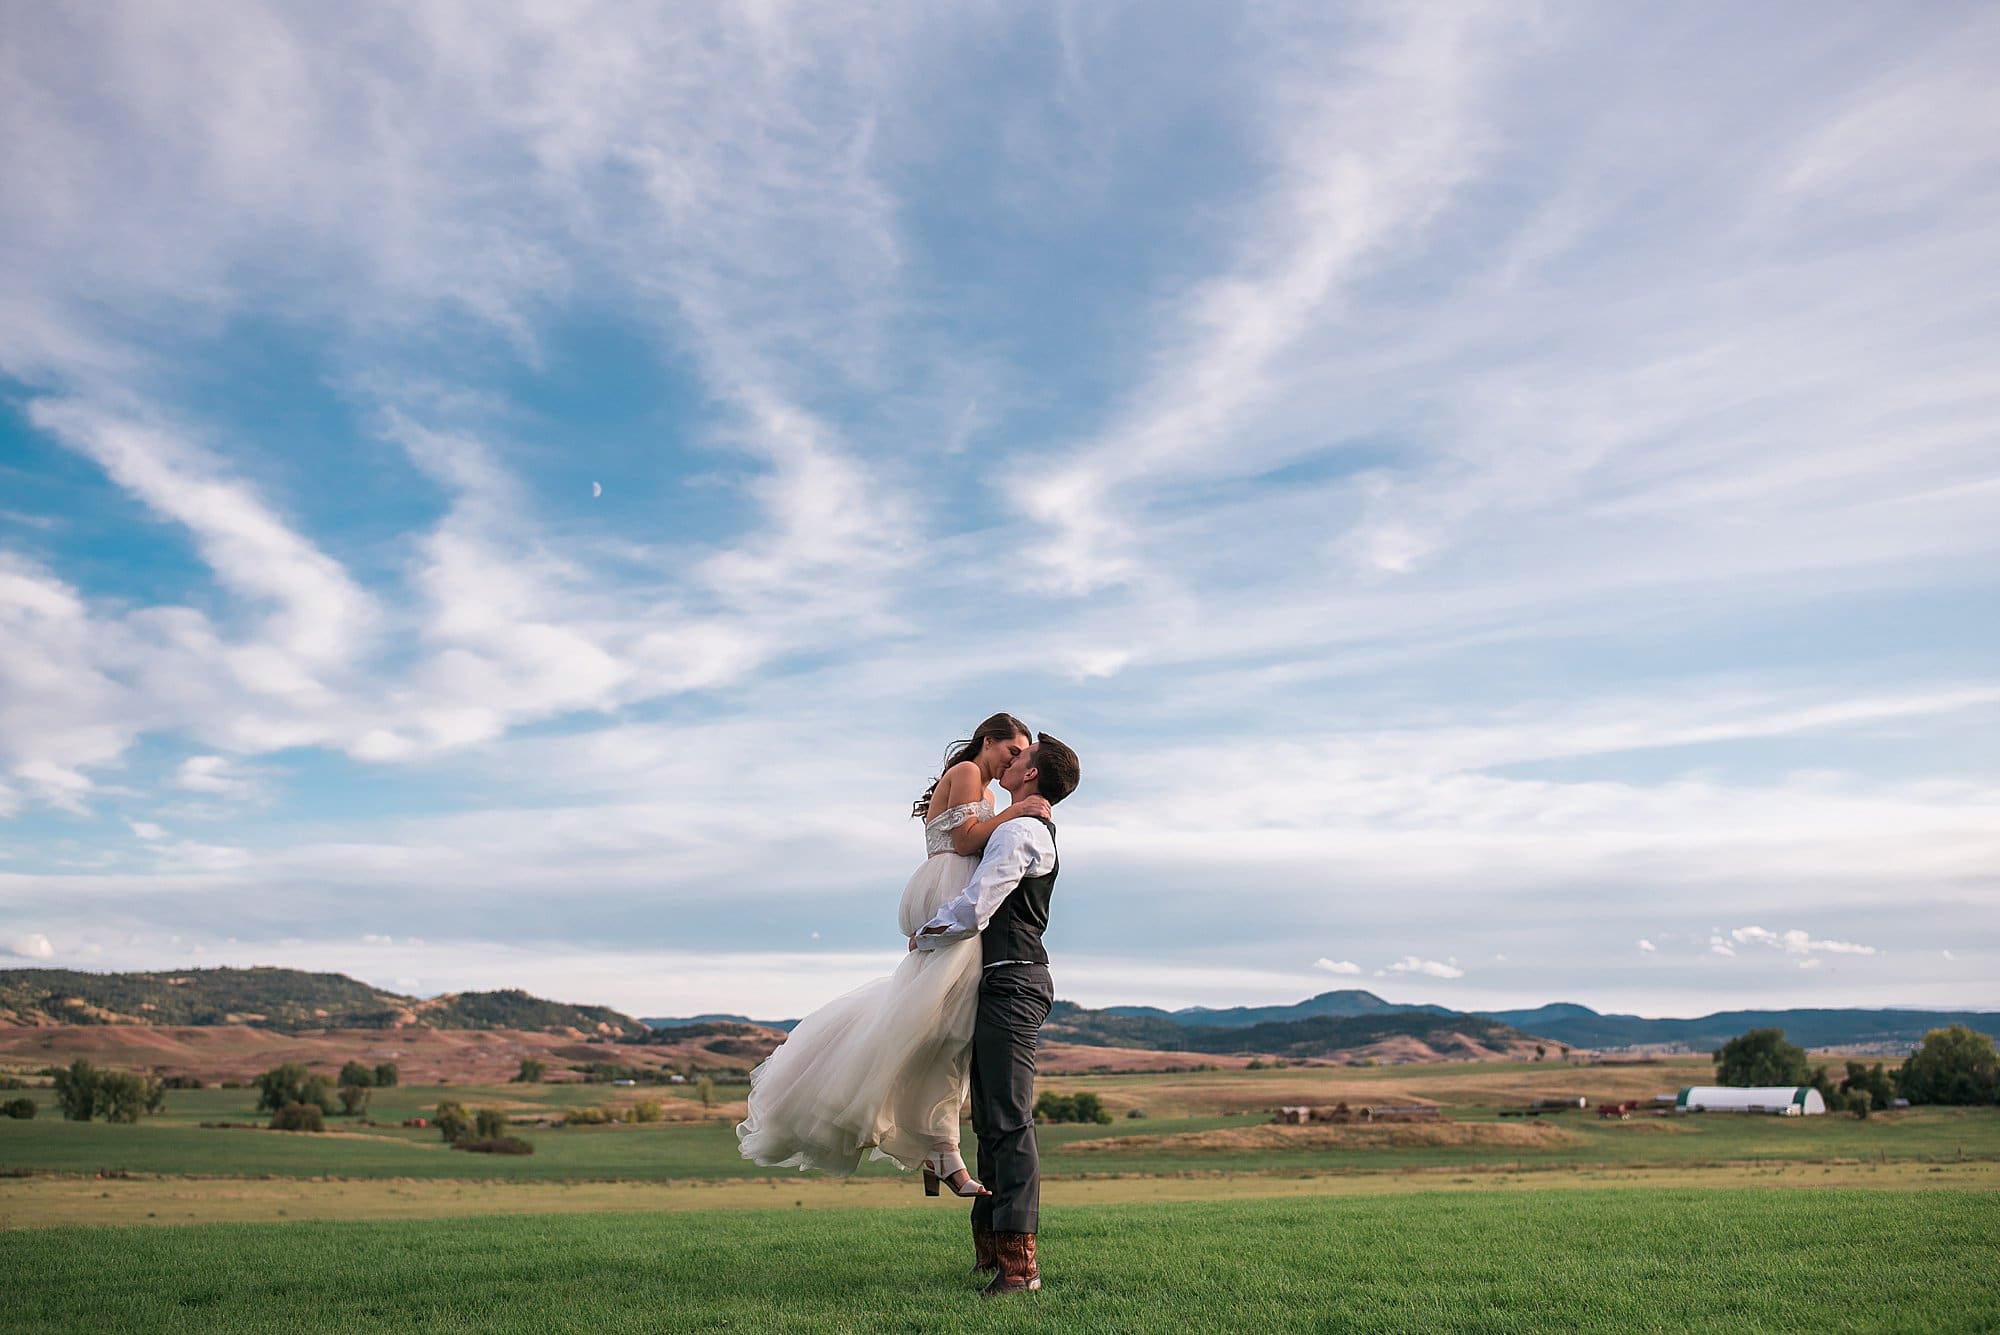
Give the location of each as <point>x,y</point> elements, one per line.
<point>940,1169</point>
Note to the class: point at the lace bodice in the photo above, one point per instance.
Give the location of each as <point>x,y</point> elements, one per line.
<point>937,831</point>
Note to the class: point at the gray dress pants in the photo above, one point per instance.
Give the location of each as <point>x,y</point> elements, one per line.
<point>1014,999</point>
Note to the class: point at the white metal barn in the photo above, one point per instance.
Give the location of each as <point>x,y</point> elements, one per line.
<point>1784,1100</point>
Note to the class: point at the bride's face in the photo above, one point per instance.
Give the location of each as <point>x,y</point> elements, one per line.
<point>997,755</point>
<point>1017,768</point>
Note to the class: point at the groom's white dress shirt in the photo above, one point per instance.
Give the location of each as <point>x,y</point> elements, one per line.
<point>1017,849</point>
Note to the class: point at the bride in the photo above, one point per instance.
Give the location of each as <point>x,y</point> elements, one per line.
<point>882,1070</point>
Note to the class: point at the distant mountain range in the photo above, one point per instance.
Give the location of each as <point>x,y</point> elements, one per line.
<point>714,1017</point>
<point>1339,1022</point>
<point>1280,1030</point>
<point>283,999</point>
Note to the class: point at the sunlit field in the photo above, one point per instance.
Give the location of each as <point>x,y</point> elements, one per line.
<point>1200,1208</point>
<point>1725,1259</point>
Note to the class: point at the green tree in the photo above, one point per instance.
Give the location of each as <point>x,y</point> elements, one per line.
<point>21,1108</point>
<point>1087,1107</point>
<point>1873,1081</point>
<point>530,1072</point>
<point>353,1098</point>
<point>77,1090</point>
<point>490,1123</point>
<point>156,1094</point>
<point>1541,1051</point>
<point>704,1088</point>
<point>1761,1057</point>
<point>121,1096</point>
<point>386,1075</point>
<point>355,1073</point>
<point>280,1085</point>
<point>451,1121</point>
<point>1054,1107</point>
<point>1955,1066</point>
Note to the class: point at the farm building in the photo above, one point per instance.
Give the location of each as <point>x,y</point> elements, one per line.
<point>1785,1100</point>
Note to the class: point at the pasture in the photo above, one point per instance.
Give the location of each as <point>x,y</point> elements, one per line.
<point>1200,1208</point>
<point>1731,1259</point>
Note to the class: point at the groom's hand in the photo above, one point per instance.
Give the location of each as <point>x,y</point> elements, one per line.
<point>1030,806</point>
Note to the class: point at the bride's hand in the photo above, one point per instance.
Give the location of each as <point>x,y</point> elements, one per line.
<point>1030,806</point>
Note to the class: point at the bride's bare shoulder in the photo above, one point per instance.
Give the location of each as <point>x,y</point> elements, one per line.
<point>959,785</point>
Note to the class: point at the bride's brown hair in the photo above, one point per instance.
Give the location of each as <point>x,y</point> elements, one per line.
<point>1000,727</point>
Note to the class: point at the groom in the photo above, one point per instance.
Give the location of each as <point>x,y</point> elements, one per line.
<point>1008,901</point>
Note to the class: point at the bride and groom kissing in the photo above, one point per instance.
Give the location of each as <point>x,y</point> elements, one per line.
<point>882,1071</point>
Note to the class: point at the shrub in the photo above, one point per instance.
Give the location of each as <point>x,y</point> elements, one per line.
<point>704,1089</point>
<point>650,1110</point>
<point>589,1117</point>
<point>496,1145</point>
<point>532,1069</point>
<point>298,1117</point>
<point>489,1123</point>
<point>24,1109</point>
<point>182,1082</point>
<point>1080,1107</point>
<point>386,1075</point>
<point>451,1121</point>
<point>1136,1114</point>
<point>12,1082</point>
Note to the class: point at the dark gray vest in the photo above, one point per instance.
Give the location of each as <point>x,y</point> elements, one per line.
<point>1015,930</point>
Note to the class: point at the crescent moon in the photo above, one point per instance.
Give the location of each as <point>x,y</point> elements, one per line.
<point>597,489</point>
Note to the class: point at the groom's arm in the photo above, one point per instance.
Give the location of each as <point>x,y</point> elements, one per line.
<point>1018,848</point>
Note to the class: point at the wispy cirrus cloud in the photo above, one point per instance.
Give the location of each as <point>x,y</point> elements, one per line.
<point>1452,486</point>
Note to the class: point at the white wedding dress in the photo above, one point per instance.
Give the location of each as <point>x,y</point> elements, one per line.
<point>881,1071</point>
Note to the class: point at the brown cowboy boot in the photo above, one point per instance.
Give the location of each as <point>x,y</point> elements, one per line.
<point>985,1253</point>
<point>1017,1266</point>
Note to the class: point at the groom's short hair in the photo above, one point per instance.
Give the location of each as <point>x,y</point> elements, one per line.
<point>1056,769</point>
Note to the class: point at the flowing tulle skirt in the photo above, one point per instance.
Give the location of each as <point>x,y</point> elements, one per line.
<point>880,1072</point>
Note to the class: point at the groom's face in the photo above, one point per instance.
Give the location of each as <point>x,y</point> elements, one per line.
<point>1020,770</point>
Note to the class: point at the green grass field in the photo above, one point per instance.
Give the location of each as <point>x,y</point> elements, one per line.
<point>1627,1261</point>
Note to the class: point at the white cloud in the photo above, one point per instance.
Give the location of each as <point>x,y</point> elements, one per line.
<point>145,829</point>
<point>1337,966</point>
<point>1647,946</point>
<point>1428,968</point>
<point>215,775</point>
<point>31,945</point>
<point>1796,942</point>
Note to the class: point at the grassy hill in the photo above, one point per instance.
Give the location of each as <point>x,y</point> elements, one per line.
<point>282,999</point>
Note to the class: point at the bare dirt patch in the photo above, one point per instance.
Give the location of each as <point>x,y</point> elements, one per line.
<point>1376,1135</point>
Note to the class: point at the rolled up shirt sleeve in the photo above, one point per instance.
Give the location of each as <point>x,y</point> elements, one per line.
<point>1018,848</point>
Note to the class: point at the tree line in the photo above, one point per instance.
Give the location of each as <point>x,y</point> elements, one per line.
<point>1954,1065</point>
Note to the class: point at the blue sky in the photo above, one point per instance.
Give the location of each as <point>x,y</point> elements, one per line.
<point>1503,499</point>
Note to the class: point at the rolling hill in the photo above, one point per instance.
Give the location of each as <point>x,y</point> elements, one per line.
<point>282,999</point>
